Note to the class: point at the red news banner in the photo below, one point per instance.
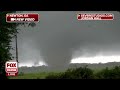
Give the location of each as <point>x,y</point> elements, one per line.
<point>22,17</point>
<point>95,16</point>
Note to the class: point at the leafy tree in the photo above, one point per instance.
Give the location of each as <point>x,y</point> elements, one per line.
<point>7,32</point>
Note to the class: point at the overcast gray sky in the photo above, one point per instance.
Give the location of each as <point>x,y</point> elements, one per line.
<point>59,37</point>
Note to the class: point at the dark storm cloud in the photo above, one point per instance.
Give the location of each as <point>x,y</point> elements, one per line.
<point>59,35</point>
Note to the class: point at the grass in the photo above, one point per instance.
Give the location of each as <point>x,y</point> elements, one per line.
<point>40,75</point>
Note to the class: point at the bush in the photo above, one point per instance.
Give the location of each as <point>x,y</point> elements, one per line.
<point>78,73</point>
<point>106,73</point>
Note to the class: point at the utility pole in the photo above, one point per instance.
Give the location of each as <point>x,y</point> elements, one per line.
<point>16,46</point>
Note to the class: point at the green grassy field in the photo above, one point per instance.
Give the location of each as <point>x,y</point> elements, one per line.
<point>40,75</point>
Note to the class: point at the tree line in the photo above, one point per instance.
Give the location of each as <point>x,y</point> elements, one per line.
<point>87,73</point>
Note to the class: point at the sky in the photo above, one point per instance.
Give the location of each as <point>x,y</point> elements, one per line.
<point>59,39</point>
